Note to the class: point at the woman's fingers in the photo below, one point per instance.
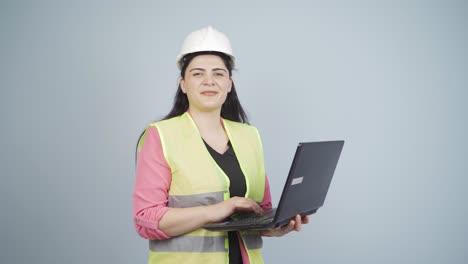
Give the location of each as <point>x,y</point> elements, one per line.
<point>301,221</point>
<point>257,209</point>
<point>245,204</point>
<point>286,229</point>
<point>289,227</point>
<point>294,224</point>
<point>298,225</point>
<point>220,211</point>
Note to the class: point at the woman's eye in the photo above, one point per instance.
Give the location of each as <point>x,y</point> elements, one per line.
<point>220,74</point>
<point>197,74</point>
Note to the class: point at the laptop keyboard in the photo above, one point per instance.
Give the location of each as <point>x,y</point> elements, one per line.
<point>251,218</point>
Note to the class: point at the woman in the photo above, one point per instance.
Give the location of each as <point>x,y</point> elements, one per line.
<point>201,164</point>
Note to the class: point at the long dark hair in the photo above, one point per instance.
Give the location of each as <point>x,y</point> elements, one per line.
<point>231,109</point>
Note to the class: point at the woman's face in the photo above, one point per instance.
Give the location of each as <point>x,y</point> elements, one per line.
<point>206,83</point>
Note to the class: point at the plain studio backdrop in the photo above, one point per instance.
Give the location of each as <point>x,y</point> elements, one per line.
<point>81,79</point>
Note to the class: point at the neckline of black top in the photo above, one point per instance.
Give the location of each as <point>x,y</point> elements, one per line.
<point>212,151</point>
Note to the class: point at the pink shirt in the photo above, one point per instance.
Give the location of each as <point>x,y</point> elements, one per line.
<point>153,179</point>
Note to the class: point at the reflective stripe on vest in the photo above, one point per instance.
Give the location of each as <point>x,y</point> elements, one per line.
<point>197,180</point>
<point>252,241</point>
<point>189,244</point>
<point>184,201</point>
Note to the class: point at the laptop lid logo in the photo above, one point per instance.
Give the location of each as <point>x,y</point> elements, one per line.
<point>297,180</point>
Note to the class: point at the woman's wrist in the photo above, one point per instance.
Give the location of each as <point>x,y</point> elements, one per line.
<point>218,212</point>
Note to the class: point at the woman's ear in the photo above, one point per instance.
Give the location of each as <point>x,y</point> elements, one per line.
<point>230,86</point>
<point>182,84</point>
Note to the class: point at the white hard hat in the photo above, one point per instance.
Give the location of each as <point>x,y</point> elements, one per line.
<point>205,39</point>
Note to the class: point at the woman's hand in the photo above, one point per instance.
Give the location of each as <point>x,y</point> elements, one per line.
<point>175,223</point>
<point>294,224</point>
<point>220,211</point>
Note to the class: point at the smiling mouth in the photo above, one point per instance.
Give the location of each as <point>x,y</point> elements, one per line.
<point>209,93</point>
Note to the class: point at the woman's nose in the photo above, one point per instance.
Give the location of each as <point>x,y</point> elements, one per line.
<point>208,80</point>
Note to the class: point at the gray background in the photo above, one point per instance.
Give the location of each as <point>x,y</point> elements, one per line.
<point>80,80</point>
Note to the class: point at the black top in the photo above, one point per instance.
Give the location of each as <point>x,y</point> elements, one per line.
<point>230,165</point>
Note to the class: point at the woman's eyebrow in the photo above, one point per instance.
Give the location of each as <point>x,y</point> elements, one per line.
<point>201,69</point>
<point>195,69</point>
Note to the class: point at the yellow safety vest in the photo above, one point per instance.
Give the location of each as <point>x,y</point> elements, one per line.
<point>198,180</point>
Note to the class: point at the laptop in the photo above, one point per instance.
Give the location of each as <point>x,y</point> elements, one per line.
<point>304,192</point>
